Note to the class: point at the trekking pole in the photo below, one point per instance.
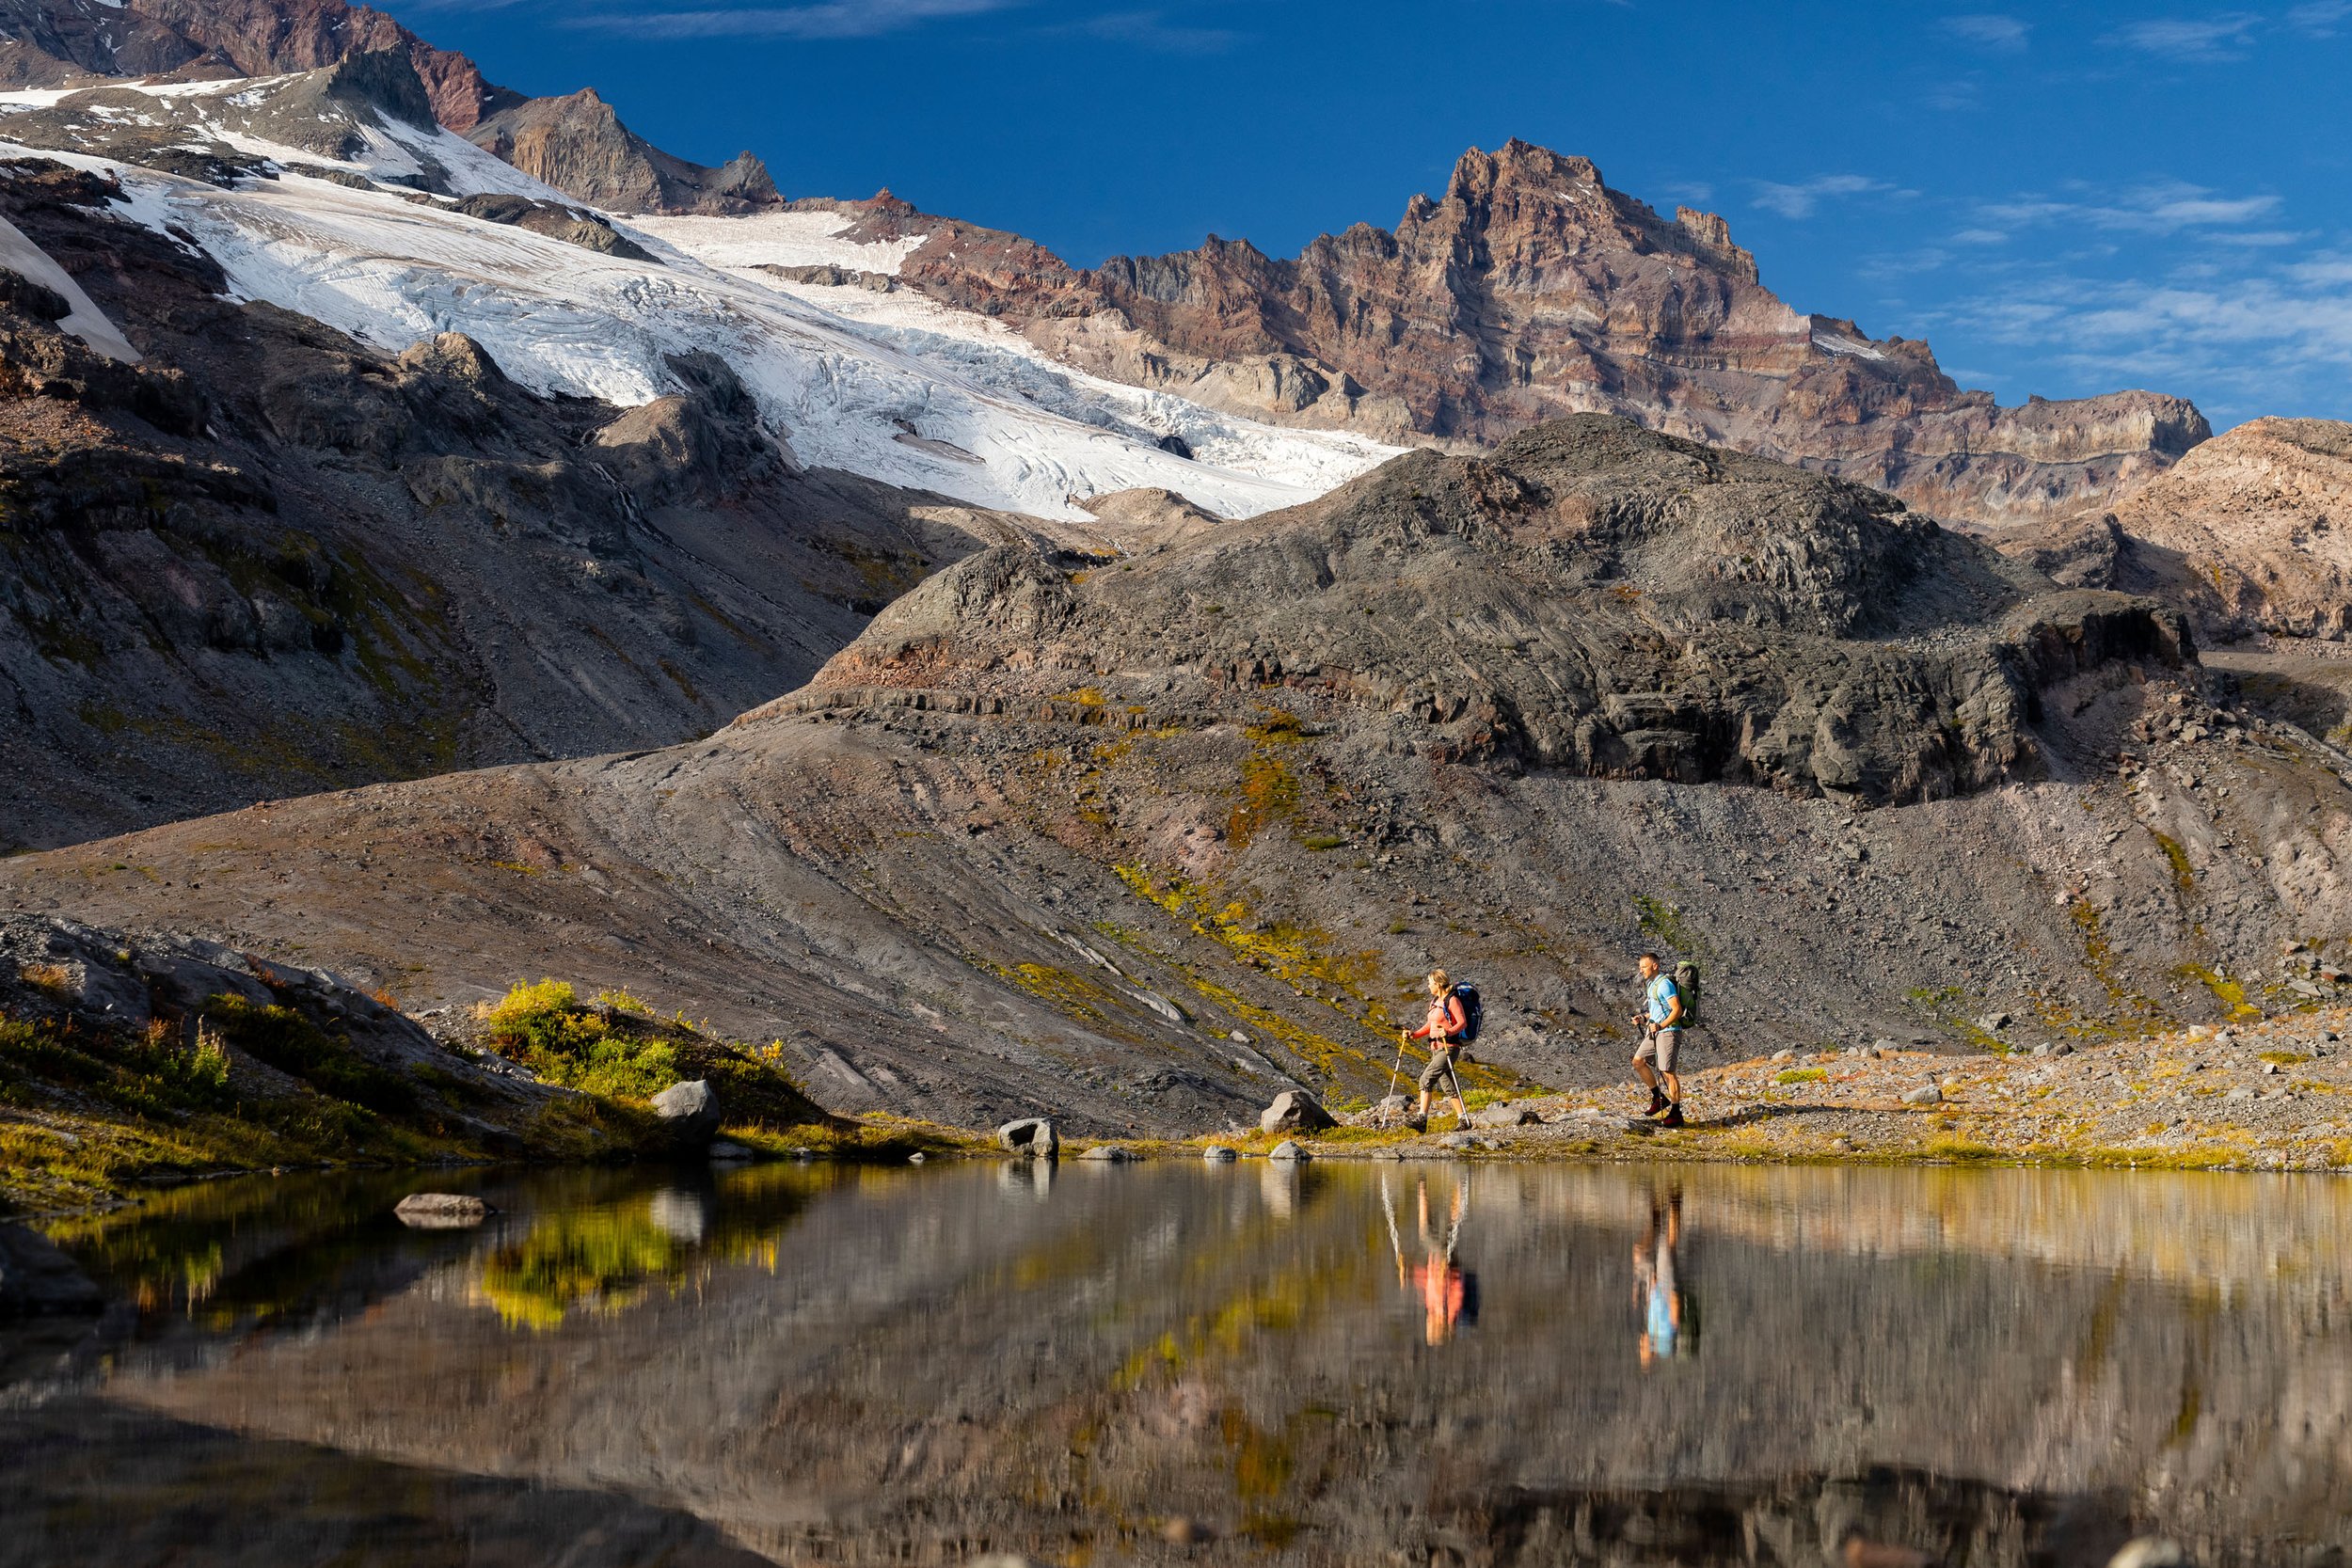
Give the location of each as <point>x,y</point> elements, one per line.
<point>1398,1066</point>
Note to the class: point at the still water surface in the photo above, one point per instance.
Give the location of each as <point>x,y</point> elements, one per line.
<point>1348,1363</point>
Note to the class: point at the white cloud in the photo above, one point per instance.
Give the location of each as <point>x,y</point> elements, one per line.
<point>1152,30</point>
<point>2322,18</point>
<point>2258,239</point>
<point>2214,37</point>
<point>1980,236</point>
<point>2166,208</point>
<point>2267,339</point>
<point>1802,199</point>
<point>831,19</point>
<point>1990,31</point>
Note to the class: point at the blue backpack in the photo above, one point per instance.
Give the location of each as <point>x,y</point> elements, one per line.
<point>1474,1016</point>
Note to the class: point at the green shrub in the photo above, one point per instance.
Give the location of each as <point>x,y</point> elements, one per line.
<point>293,1044</point>
<point>625,1053</point>
<point>544,1028</point>
<point>149,1073</point>
<point>1800,1075</point>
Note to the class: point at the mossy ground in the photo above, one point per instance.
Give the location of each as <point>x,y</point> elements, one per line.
<point>88,1118</point>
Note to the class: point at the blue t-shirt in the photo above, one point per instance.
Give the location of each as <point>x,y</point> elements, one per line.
<point>1661,997</point>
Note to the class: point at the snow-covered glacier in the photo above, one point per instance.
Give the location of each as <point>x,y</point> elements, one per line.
<point>888,384</point>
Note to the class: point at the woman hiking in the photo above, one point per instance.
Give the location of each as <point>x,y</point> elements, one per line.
<point>1448,1022</point>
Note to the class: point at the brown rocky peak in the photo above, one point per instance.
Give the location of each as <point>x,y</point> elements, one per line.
<point>262,38</point>
<point>1531,290</point>
<point>1712,236</point>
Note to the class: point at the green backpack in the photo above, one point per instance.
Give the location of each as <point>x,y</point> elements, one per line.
<point>1687,986</point>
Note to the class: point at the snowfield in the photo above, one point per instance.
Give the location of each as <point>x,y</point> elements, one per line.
<point>890,385</point>
<point>778,240</point>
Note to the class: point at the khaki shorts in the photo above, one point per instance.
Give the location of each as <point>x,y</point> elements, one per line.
<point>1661,1046</point>
<point>1435,1075</point>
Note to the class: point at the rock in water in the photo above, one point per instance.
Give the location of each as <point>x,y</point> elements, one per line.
<point>691,1111</point>
<point>1110,1153</point>
<point>1286,1151</point>
<point>2149,1551</point>
<point>1031,1135</point>
<point>36,1278</point>
<point>440,1210</point>
<point>1295,1110</point>
<point>1218,1156</point>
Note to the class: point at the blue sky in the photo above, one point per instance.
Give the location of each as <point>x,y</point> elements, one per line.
<point>2064,200</point>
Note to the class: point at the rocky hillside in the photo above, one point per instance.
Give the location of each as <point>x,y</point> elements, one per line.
<point>1532,289</point>
<point>1143,838</point>
<point>2247,534</point>
<point>576,143</point>
<point>269,559</point>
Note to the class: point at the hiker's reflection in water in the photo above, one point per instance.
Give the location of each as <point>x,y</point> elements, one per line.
<point>1448,1293</point>
<point>1669,1324</point>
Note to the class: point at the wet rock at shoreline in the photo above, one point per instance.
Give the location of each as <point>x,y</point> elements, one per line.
<point>691,1111</point>
<point>1295,1110</point>
<point>1032,1135</point>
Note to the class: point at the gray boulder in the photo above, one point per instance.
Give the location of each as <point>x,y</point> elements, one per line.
<point>1505,1114</point>
<point>1926,1094</point>
<point>440,1210</point>
<point>1286,1151</point>
<point>36,1278</point>
<point>1107,1152</point>
<point>1217,1155</point>
<point>1031,1135</point>
<point>691,1112</point>
<point>1295,1110</point>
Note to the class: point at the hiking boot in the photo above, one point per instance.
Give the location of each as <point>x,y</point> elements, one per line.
<point>1418,1123</point>
<point>1672,1117</point>
<point>1656,1104</point>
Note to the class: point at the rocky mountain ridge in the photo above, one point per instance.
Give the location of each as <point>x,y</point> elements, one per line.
<point>1532,289</point>
<point>574,143</point>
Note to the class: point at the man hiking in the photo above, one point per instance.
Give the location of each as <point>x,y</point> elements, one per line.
<point>1660,1018</point>
<point>1448,1022</point>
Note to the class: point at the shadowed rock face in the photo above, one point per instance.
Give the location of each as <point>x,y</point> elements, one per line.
<point>1591,597</point>
<point>1532,289</point>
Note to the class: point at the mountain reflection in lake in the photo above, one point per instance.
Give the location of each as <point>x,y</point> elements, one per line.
<point>1406,1364</point>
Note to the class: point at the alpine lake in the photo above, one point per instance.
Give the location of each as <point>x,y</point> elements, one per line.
<point>1087,1364</point>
